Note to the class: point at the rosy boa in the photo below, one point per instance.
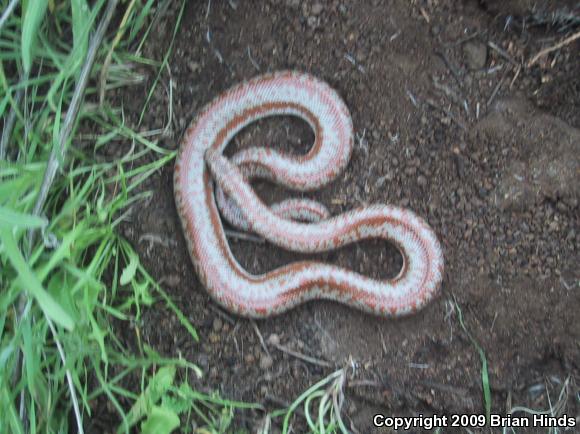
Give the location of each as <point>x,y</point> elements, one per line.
<point>200,160</point>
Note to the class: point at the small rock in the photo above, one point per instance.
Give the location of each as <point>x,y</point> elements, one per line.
<point>249,358</point>
<point>217,324</point>
<point>422,181</point>
<point>274,339</point>
<point>312,21</point>
<point>317,8</point>
<point>173,280</point>
<point>475,54</point>
<point>266,362</point>
<point>203,361</point>
<point>193,66</point>
<point>561,206</point>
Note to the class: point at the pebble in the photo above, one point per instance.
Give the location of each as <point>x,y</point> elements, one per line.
<point>193,66</point>
<point>203,361</point>
<point>561,206</point>
<point>422,181</point>
<point>317,8</point>
<point>217,324</point>
<point>266,362</point>
<point>274,339</point>
<point>173,280</point>
<point>475,54</point>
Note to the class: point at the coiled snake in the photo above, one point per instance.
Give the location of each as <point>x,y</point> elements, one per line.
<point>200,160</point>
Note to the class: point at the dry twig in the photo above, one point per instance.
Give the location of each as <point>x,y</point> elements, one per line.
<point>548,50</point>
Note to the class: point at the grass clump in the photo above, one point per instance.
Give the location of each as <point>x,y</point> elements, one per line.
<point>66,275</point>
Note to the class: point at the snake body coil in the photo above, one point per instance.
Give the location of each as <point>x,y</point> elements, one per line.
<point>200,160</point>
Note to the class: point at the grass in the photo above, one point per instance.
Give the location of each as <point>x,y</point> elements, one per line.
<point>484,371</point>
<point>68,280</point>
<point>67,276</point>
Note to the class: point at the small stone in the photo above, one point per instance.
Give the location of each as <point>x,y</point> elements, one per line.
<point>266,362</point>
<point>274,339</point>
<point>561,206</point>
<point>422,181</point>
<point>312,21</point>
<point>173,280</point>
<point>193,66</point>
<point>475,54</point>
<point>203,361</point>
<point>317,8</point>
<point>249,358</point>
<point>217,324</point>
<point>214,338</point>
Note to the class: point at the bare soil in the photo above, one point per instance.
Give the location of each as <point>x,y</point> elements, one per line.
<point>450,122</point>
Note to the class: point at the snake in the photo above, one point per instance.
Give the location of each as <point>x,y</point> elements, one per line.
<point>202,172</point>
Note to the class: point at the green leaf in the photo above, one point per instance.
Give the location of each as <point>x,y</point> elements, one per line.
<point>31,283</point>
<point>129,272</point>
<point>157,387</point>
<point>14,219</point>
<point>161,420</point>
<point>33,16</point>
<point>142,293</point>
<point>80,23</point>
<point>58,288</point>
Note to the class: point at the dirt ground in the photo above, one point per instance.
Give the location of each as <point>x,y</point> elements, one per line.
<point>450,122</point>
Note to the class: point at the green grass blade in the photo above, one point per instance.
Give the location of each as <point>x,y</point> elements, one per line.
<point>31,283</point>
<point>80,23</point>
<point>33,16</point>
<point>13,219</point>
<point>483,358</point>
<point>10,416</point>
